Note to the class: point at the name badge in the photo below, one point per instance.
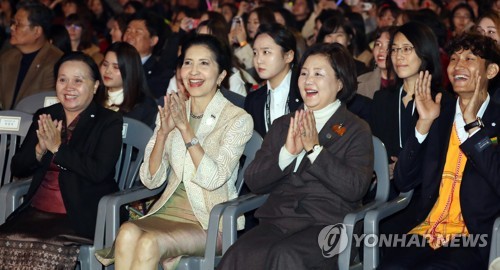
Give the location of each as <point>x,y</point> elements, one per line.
<point>48,101</point>
<point>10,123</point>
<point>124,130</point>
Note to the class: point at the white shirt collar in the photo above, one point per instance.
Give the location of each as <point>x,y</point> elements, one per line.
<point>279,96</point>
<point>145,58</point>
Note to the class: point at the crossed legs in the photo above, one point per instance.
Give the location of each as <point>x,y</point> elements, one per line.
<point>141,244</point>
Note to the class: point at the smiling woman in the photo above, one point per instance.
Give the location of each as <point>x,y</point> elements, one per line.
<point>316,166</point>
<point>201,141</point>
<point>70,151</point>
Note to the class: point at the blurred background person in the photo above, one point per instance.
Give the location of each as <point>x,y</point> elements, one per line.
<point>126,88</point>
<point>28,67</point>
<point>81,36</point>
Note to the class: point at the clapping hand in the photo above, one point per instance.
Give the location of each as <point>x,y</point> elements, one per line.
<point>48,133</point>
<point>307,127</point>
<point>428,109</point>
<point>178,111</point>
<point>293,142</point>
<point>166,122</point>
<point>302,133</point>
<point>478,98</point>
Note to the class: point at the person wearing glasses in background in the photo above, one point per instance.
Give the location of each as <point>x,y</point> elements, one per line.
<point>413,48</point>
<point>451,161</point>
<point>28,67</point>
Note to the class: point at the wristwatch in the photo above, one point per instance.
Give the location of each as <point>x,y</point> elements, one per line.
<point>193,141</point>
<point>477,123</point>
<point>315,148</point>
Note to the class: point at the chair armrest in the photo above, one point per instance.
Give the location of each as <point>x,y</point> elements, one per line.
<point>212,234</point>
<point>236,208</point>
<point>218,211</point>
<point>371,226</point>
<point>495,241</point>
<point>350,221</point>
<point>12,194</point>
<point>112,203</point>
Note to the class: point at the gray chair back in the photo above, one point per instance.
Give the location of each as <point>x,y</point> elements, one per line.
<point>14,126</point>
<point>381,169</point>
<point>251,148</point>
<point>31,104</point>
<point>135,136</point>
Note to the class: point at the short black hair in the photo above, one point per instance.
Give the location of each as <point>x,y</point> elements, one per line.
<point>342,63</point>
<point>156,27</point>
<point>426,47</point>
<point>81,57</point>
<point>38,15</point>
<point>482,46</point>
<point>221,52</point>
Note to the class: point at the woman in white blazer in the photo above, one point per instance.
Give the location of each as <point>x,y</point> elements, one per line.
<point>201,140</point>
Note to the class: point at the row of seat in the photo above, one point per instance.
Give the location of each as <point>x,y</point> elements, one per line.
<point>15,124</point>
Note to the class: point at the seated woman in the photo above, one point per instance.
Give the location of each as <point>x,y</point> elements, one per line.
<point>201,140</point>
<point>413,48</point>
<point>80,33</point>
<point>70,150</point>
<point>316,164</point>
<point>377,79</point>
<point>126,88</point>
<point>275,60</point>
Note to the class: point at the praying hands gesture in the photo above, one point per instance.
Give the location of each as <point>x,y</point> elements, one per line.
<point>166,122</point>
<point>178,110</point>
<point>49,135</point>
<point>428,109</point>
<point>302,133</point>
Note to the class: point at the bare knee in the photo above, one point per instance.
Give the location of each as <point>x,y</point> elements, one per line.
<point>128,235</point>
<point>147,248</point>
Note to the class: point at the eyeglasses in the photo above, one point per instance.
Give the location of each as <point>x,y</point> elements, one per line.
<point>406,50</point>
<point>17,25</point>
<point>73,27</point>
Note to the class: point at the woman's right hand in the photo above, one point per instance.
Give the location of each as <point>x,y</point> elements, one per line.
<point>166,121</point>
<point>428,109</point>
<point>293,142</point>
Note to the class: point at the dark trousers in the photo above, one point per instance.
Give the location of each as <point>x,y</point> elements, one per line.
<point>268,247</point>
<point>421,258</point>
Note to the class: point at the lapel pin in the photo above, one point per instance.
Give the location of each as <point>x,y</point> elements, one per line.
<point>339,129</point>
<point>92,115</point>
<point>328,136</point>
<point>493,124</point>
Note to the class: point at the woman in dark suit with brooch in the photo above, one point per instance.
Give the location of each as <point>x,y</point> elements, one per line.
<point>70,151</point>
<point>316,165</point>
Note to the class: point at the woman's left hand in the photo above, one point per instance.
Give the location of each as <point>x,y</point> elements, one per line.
<point>50,132</point>
<point>309,134</point>
<point>178,112</point>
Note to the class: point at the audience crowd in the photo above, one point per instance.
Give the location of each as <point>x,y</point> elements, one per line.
<point>314,78</point>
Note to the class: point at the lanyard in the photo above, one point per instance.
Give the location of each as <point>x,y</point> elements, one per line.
<point>268,109</point>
